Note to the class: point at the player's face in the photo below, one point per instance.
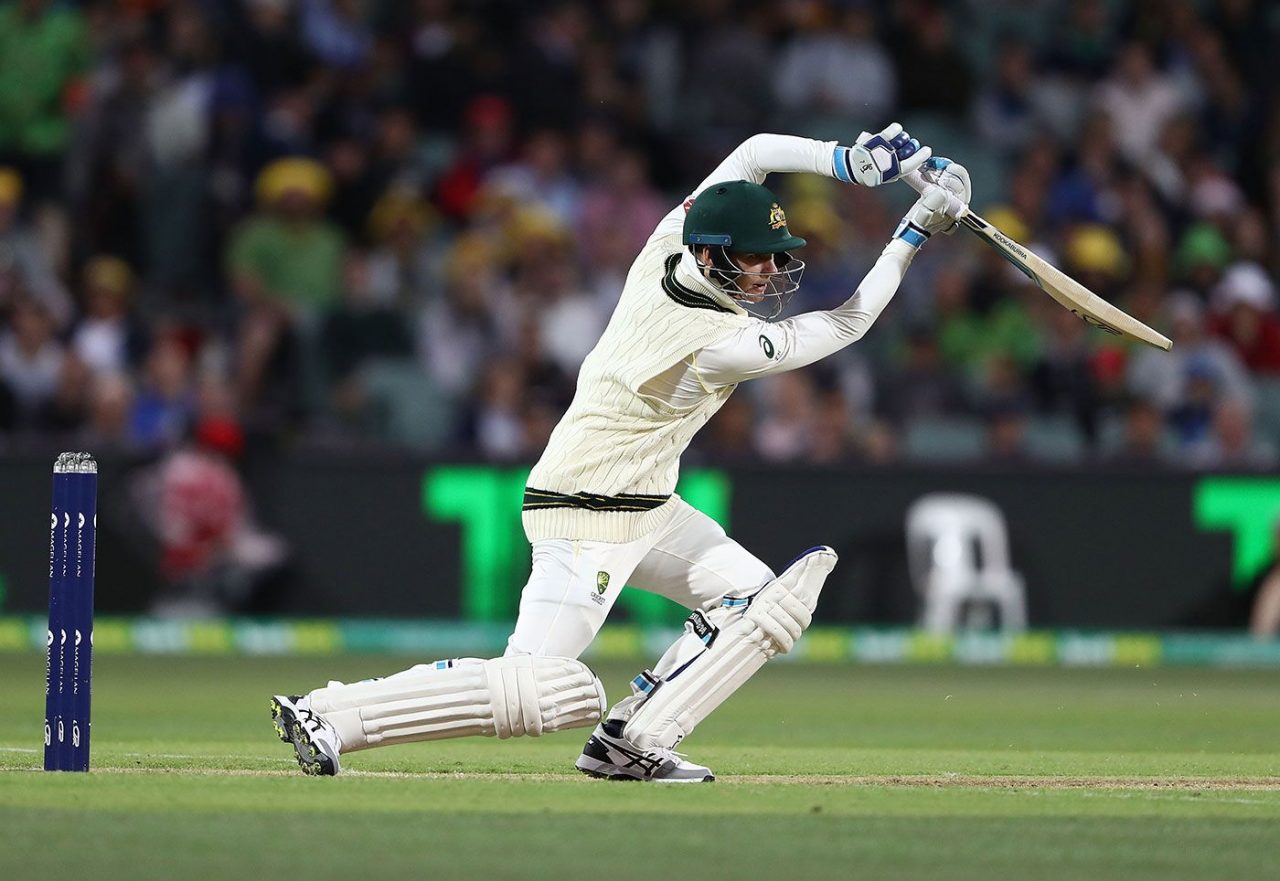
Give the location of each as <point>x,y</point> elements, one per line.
<point>756,272</point>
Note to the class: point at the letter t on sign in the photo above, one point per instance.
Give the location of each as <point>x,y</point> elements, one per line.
<point>1249,508</point>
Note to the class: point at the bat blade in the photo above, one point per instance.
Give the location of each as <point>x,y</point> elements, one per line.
<point>1069,293</point>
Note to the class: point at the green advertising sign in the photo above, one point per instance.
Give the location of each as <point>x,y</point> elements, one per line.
<point>1248,508</point>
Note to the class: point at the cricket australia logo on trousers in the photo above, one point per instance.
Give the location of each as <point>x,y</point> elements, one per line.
<point>602,584</point>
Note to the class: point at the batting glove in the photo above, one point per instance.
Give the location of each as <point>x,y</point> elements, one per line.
<point>880,158</point>
<point>952,177</point>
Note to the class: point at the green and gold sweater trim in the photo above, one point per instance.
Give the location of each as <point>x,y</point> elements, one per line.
<point>537,499</point>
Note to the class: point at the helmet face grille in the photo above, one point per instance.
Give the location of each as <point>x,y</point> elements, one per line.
<point>781,285</point>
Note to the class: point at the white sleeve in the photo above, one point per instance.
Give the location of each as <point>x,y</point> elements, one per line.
<point>756,158</point>
<point>764,349</point>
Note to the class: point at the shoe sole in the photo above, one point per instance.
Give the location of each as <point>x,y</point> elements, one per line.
<point>310,759</point>
<point>278,721</point>
<point>599,773</point>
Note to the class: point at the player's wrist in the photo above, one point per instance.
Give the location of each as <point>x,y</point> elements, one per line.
<point>842,164</point>
<point>926,217</point>
<point>899,248</point>
<point>910,235</point>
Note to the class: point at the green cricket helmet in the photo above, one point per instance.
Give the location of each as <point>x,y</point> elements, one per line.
<point>745,218</point>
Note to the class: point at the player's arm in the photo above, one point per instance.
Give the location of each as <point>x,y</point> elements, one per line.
<point>764,348</point>
<point>874,159</point>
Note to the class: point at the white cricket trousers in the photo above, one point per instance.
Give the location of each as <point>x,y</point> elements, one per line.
<point>574,584</point>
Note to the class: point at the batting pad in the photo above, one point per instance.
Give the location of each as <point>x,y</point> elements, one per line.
<point>503,697</point>
<point>762,625</point>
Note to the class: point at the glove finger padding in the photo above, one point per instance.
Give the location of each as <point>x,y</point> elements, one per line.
<point>892,130</point>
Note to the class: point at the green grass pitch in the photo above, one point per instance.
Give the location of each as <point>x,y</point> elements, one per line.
<point>825,772</point>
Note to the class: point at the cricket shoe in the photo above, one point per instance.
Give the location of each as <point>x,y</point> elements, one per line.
<point>610,756</point>
<point>314,740</point>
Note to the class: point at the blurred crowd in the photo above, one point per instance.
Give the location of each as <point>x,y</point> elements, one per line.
<point>367,222</point>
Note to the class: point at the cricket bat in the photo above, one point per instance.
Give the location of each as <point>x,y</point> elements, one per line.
<point>1072,295</point>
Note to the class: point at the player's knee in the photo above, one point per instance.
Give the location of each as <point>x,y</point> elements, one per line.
<point>778,619</point>
<point>783,608</point>
<point>532,695</point>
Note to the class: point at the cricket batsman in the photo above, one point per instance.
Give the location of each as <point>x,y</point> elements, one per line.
<point>600,509</point>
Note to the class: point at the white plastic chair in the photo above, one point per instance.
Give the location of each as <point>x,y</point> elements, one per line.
<point>958,553</point>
